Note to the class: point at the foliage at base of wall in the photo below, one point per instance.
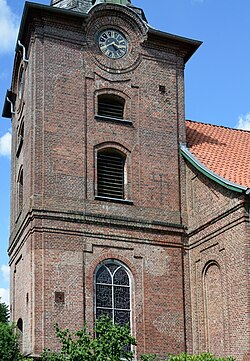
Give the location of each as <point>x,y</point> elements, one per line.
<point>112,342</point>
<point>186,357</point>
<point>9,347</point>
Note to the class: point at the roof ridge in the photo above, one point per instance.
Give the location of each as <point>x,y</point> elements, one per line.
<point>218,126</point>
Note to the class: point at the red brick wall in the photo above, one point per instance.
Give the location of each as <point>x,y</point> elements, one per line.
<point>219,281</point>
<point>65,230</point>
<point>213,302</point>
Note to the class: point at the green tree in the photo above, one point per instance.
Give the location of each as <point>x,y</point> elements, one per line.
<point>9,348</point>
<point>4,312</point>
<point>112,343</point>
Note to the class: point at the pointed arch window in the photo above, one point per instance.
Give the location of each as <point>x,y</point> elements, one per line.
<point>113,292</point>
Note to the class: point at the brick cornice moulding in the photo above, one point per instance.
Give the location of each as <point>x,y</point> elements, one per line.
<point>214,220</point>
<point>207,234</point>
<point>91,219</point>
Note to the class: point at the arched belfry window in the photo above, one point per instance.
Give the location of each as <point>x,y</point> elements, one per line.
<point>113,292</point>
<point>110,173</point>
<point>20,190</point>
<point>111,106</point>
<point>20,137</point>
<point>21,82</point>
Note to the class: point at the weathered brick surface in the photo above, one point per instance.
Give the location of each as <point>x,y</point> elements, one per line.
<point>219,266</point>
<point>63,232</point>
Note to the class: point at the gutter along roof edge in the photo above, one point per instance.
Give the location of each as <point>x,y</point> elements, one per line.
<point>210,174</point>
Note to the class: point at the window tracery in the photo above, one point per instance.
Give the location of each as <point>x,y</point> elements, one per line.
<point>113,292</point>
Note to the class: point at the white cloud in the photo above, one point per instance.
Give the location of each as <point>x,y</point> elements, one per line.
<point>244,122</point>
<point>3,75</point>
<point>6,272</point>
<point>5,295</point>
<point>8,27</point>
<point>5,144</point>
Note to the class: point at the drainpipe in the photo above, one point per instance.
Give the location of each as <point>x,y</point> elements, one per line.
<point>24,51</point>
<point>11,105</point>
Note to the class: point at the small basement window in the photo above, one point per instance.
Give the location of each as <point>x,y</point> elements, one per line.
<point>111,106</point>
<point>110,174</point>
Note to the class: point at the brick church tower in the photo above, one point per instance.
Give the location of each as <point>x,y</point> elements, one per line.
<point>98,184</point>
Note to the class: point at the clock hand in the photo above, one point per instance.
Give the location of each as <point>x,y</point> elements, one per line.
<point>115,46</point>
<point>110,44</point>
<point>121,46</point>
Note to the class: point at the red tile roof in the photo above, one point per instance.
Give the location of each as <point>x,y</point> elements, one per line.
<point>224,151</point>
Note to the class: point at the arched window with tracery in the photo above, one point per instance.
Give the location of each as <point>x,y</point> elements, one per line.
<point>113,292</point>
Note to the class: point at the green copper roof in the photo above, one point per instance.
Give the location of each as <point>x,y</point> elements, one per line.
<point>120,2</point>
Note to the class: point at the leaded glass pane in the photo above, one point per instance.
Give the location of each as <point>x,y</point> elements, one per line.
<point>101,311</point>
<point>103,275</point>
<point>121,277</point>
<point>122,297</point>
<point>112,287</point>
<point>104,296</point>
<point>112,267</point>
<point>122,317</point>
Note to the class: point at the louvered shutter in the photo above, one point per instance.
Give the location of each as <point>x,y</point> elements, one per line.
<point>110,174</point>
<point>110,106</point>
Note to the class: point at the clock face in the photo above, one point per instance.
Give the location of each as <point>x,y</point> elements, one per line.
<point>113,43</point>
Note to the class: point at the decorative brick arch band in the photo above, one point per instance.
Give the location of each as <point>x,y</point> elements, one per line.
<point>213,306</point>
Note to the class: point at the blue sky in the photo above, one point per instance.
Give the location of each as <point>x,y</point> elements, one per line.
<point>217,77</point>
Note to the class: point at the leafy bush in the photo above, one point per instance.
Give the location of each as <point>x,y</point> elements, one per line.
<point>112,343</point>
<point>149,357</point>
<point>201,357</point>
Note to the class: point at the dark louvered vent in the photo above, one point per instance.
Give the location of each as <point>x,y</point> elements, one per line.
<point>110,174</point>
<point>111,106</point>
